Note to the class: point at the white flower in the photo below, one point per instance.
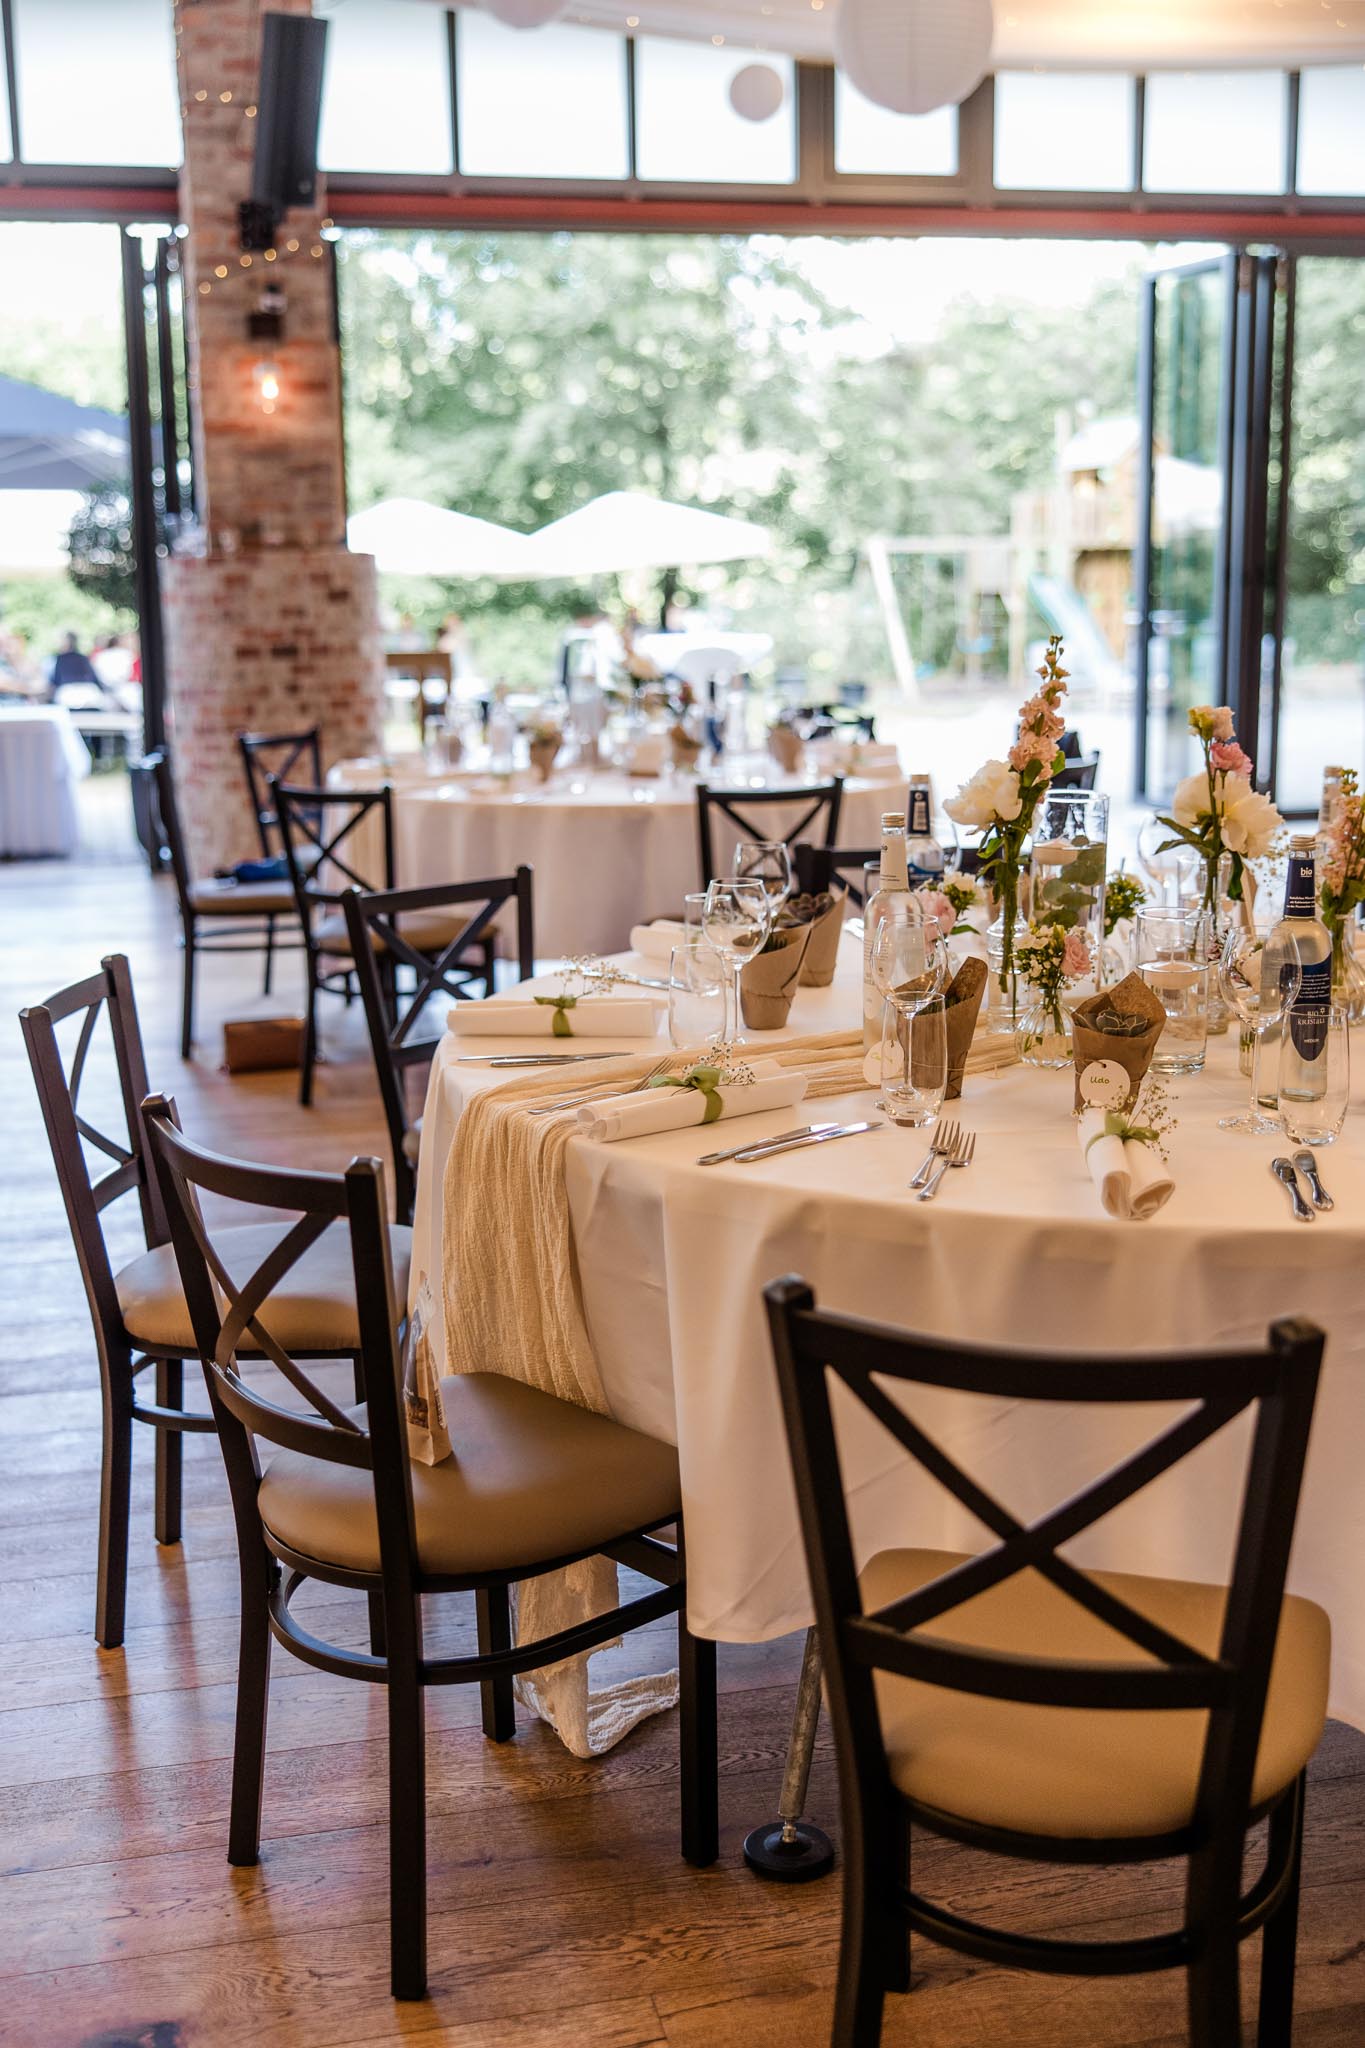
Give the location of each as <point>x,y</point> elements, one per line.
<point>1191,800</point>
<point>1250,820</point>
<point>993,792</point>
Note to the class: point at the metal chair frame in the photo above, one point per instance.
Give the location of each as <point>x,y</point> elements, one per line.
<point>279,754</point>
<point>820,797</point>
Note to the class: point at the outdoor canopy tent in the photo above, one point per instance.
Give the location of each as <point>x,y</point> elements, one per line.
<point>409,537</point>
<point>627,530</point>
<point>49,443</point>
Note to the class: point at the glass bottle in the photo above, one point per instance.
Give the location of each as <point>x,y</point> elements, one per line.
<point>893,882</point>
<point>924,855</point>
<point>1300,935</point>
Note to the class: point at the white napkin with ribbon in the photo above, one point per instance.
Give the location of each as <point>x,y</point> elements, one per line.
<point>647,1110</point>
<point>1132,1178</point>
<point>590,1017</point>
<point>656,941</point>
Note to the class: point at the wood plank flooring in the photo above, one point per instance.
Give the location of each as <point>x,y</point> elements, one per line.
<point>561,1914</point>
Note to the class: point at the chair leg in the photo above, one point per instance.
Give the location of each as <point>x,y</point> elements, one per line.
<point>698,1768</point>
<point>310,1036</point>
<point>407,1828</point>
<point>495,1633</point>
<point>1214,1988</point>
<point>269,970</point>
<point>170,1393</point>
<point>860,1993</point>
<point>253,1698</point>
<point>116,1472</point>
<point>1279,1938</point>
<point>187,995</point>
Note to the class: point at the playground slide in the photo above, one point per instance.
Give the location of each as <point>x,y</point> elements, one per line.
<point>1087,651</point>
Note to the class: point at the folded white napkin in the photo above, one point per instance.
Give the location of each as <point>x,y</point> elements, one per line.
<point>591,1017</point>
<point>855,757</point>
<point>673,1109</point>
<point>656,941</point>
<point>1131,1177</point>
<point>646,755</point>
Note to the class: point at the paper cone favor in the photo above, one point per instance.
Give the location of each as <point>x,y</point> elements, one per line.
<point>962,1006</point>
<point>768,984</point>
<point>786,748</point>
<point>823,916</point>
<point>1112,1064</point>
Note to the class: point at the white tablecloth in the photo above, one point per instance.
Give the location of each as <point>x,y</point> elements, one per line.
<point>608,851</point>
<point>42,758</point>
<point>1015,1250</point>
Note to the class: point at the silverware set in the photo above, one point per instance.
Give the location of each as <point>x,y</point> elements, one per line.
<point>1287,1172</point>
<point>597,1094</point>
<point>962,1153</point>
<point>788,1141</point>
<point>533,1059</point>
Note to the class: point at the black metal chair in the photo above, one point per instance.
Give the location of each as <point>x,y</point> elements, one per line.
<point>1016,1703</point>
<point>1080,772</point>
<point>325,834</point>
<point>241,917</point>
<point>536,1484</point>
<point>289,757</point>
<point>822,800</point>
<point>375,925</point>
<point>816,868</point>
<point>138,1312</point>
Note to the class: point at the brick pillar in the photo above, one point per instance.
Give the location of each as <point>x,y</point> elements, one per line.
<point>275,625</point>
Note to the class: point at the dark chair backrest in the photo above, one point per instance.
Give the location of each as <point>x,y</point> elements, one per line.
<point>1070,744</point>
<point>293,757</point>
<point>166,820</point>
<point>817,866</point>
<point>1079,773</point>
<point>70,1132</point>
<point>395,1020</point>
<point>870,1360</point>
<point>822,800</point>
<point>223,1310</point>
<point>316,825</point>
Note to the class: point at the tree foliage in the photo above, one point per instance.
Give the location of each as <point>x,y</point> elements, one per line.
<point>100,546</point>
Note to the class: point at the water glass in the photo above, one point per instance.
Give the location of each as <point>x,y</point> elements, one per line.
<point>1173,960</point>
<point>1317,1119</point>
<point>914,1062</point>
<point>1261,1009</point>
<point>768,861</point>
<point>736,919</point>
<point>696,995</point>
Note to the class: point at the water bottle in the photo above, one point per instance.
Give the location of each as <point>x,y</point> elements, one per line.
<point>1300,940</point>
<point>893,882</point>
<point>924,855</point>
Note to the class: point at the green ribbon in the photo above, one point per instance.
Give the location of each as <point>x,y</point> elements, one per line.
<point>561,1028</point>
<point>707,1079</point>
<point>1117,1124</point>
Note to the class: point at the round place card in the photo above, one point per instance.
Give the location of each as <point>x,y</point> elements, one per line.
<point>1104,1084</point>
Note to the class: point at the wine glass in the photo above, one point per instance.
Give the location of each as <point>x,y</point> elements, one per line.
<point>736,918</point>
<point>768,861</point>
<point>1171,870</point>
<point>909,958</point>
<point>1262,1011</point>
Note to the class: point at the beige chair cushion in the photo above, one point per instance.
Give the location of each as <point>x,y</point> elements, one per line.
<point>412,1141</point>
<point>427,930</point>
<point>244,899</point>
<point>313,1308</point>
<point>1064,1771</point>
<point>531,1478</point>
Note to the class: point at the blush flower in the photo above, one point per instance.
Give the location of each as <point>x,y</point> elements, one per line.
<point>1226,757</point>
<point>1075,956</point>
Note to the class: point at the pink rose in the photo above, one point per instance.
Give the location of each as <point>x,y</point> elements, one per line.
<point>1076,956</point>
<point>1226,757</point>
<point>939,909</point>
<point>1223,728</point>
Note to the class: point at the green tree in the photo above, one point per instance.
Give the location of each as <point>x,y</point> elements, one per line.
<point>100,545</point>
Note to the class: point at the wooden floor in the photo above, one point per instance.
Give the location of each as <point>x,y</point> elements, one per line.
<point>560,1912</point>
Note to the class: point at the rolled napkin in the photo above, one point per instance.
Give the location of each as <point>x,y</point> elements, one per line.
<point>647,754</point>
<point>678,1102</point>
<point>656,941</point>
<point>554,1017</point>
<point>1131,1176</point>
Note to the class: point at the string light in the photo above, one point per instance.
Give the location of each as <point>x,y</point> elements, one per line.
<point>266,377</point>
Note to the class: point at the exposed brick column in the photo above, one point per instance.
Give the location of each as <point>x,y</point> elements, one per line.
<point>275,626</point>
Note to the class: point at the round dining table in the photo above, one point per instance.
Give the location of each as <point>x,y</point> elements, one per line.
<point>42,759</point>
<point>1015,1249</point>
<point>608,850</point>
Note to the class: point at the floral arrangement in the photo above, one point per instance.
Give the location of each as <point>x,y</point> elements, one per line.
<point>1049,957</point>
<point>961,892</point>
<point>1002,796</point>
<point>1216,810</point>
<point>1123,895</point>
<point>1343,862</point>
<point>544,732</point>
<point>939,908</point>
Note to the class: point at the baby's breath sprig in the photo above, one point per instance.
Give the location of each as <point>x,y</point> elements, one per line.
<point>589,973</point>
<point>1153,1111</point>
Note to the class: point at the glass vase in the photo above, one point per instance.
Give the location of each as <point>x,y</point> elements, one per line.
<point>1005,994</point>
<point>1043,1034</point>
<point>1068,868</point>
<point>1348,976</point>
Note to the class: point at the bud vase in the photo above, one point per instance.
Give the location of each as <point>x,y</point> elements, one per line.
<point>1348,976</point>
<point>1043,1034</point>
<point>1006,995</point>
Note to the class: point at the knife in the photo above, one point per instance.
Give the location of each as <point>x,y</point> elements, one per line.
<point>532,1059</point>
<point>796,1144</point>
<point>762,1144</point>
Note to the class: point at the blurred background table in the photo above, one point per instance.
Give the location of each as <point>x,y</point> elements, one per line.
<point>42,758</point>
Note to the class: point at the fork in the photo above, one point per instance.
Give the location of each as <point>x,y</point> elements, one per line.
<point>961,1155</point>
<point>603,1088</point>
<point>944,1141</point>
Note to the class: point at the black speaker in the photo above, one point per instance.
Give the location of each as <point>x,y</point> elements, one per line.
<point>289,109</point>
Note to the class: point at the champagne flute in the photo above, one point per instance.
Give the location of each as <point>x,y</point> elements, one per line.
<point>736,919</point>
<point>768,861</point>
<point>1262,1011</point>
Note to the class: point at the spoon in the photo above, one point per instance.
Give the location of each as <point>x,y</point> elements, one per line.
<point>1283,1170</point>
<point>1308,1167</point>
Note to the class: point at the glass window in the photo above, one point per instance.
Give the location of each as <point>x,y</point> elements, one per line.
<point>97,82</point>
<point>1215,131</point>
<point>686,130</point>
<point>1332,130</point>
<point>386,94</point>
<point>1064,131</point>
<point>870,138</point>
<point>547,103</point>
<point>6,140</point>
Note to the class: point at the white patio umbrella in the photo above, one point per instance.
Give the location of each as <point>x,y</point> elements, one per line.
<point>627,530</point>
<point>409,537</point>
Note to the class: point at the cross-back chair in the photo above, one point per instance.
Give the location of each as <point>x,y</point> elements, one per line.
<point>1080,772</point>
<point>822,801</point>
<point>399,1021</point>
<point>216,916</point>
<point>1017,1703</point>
<point>137,1309</point>
<point>816,868</point>
<point>535,1484</point>
<point>293,757</point>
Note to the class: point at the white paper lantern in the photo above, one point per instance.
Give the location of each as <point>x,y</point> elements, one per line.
<point>757,92</point>
<point>524,13</point>
<point>914,55</point>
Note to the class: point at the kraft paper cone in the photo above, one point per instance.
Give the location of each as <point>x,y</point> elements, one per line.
<point>962,1006</point>
<point>768,984</point>
<point>1093,1048</point>
<point>786,748</point>
<point>826,929</point>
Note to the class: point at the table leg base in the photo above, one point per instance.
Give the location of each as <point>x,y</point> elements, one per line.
<point>789,1853</point>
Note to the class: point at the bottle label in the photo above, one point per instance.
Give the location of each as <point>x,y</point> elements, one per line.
<point>1308,1018</point>
<point>1300,889</point>
<point>918,823</point>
